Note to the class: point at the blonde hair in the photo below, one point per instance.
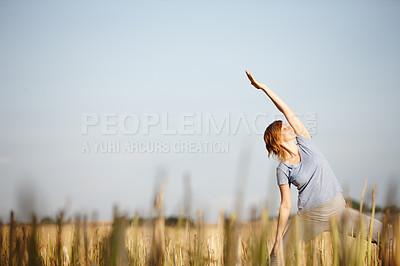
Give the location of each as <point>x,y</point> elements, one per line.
<point>272,138</point>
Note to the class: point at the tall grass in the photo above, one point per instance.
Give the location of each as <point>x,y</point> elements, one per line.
<point>135,241</point>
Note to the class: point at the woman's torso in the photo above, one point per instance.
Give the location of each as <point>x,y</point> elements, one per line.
<point>311,173</point>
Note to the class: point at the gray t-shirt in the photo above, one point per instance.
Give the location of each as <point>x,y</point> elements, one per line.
<point>313,177</point>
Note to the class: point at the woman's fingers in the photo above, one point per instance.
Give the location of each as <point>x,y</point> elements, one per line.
<point>250,76</point>
<point>253,81</point>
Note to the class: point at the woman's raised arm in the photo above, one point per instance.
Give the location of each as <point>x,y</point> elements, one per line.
<point>291,117</point>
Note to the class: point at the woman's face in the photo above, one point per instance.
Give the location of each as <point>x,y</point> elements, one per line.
<point>287,133</point>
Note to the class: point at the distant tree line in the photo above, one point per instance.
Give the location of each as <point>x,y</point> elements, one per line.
<point>169,221</point>
<point>367,208</point>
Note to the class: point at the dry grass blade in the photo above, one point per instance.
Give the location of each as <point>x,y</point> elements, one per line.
<point>362,195</point>
<point>371,225</point>
<point>157,255</point>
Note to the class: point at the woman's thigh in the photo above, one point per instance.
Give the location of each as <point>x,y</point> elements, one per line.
<point>351,224</point>
<point>312,223</point>
<point>304,229</point>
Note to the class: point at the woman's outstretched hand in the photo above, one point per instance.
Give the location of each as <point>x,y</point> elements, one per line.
<point>254,82</point>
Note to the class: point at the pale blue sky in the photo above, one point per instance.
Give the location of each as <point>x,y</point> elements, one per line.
<point>59,60</point>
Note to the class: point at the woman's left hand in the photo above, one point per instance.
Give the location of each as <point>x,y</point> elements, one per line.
<point>254,82</point>
<point>275,248</point>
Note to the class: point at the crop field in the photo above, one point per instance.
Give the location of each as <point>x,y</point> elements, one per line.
<point>160,241</point>
<point>124,242</point>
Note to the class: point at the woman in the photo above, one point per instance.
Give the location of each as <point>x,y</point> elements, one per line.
<point>319,193</point>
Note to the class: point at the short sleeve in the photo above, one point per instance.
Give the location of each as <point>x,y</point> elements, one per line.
<point>304,141</point>
<point>281,177</point>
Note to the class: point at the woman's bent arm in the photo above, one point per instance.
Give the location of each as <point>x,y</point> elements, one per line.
<point>291,117</point>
